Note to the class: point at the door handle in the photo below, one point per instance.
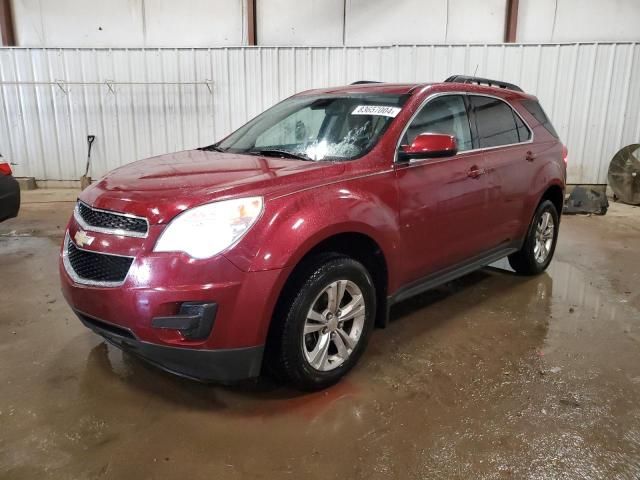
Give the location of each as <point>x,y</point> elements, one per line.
<point>530,157</point>
<point>475,172</point>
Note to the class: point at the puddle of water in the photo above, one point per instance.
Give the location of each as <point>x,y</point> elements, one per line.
<point>492,375</point>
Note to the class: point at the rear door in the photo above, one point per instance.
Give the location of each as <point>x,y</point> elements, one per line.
<point>443,201</point>
<point>505,140</point>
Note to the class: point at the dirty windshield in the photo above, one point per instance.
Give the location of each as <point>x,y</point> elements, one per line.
<point>317,127</point>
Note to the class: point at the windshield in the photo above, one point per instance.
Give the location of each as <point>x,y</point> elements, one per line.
<point>317,127</point>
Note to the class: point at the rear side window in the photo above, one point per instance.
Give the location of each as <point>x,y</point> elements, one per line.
<point>497,123</point>
<point>524,133</point>
<point>536,110</point>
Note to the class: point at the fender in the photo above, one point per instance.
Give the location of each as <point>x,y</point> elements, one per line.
<point>292,224</point>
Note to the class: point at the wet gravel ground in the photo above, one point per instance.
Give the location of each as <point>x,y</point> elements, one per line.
<point>491,376</point>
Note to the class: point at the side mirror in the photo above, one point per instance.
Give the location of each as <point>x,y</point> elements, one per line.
<point>429,145</point>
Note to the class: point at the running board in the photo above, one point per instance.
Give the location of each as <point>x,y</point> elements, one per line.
<point>436,279</point>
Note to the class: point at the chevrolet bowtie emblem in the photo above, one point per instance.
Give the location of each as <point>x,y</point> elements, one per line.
<point>82,238</point>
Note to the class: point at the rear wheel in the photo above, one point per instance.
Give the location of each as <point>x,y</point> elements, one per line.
<point>326,326</point>
<point>537,251</point>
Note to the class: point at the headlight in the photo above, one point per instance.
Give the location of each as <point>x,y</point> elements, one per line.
<point>203,231</point>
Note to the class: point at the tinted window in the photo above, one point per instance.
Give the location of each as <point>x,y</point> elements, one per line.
<point>536,110</point>
<point>446,115</point>
<point>496,122</point>
<point>524,133</point>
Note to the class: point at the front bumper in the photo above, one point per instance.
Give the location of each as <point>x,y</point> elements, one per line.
<point>159,284</point>
<point>220,366</point>
<point>148,312</point>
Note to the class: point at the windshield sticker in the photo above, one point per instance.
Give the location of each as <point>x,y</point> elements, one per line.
<point>376,110</point>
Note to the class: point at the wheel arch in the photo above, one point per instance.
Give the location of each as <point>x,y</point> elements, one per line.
<point>354,244</point>
<point>555,194</point>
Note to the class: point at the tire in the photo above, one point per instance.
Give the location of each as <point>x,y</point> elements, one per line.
<point>538,248</point>
<point>299,357</point>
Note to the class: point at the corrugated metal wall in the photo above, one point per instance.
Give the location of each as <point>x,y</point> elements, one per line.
<point>143,102</point>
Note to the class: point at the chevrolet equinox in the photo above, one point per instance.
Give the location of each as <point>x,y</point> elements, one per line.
<point>284,244</point>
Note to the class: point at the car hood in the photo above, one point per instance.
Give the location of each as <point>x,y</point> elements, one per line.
<point>160,187</point>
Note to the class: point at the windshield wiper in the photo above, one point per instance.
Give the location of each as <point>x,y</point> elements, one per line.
<point>274,152</point>
<point>213,147</point>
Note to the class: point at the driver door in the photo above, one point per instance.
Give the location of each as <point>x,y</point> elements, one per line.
<point>443,201</point>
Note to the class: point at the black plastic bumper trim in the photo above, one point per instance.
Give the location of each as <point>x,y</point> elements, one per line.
<point>99,325</point>
<point>224,366</point>
<point>195,320</point>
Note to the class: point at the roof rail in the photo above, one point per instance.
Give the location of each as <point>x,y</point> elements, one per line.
<point>362,82</point>
<point>483,81</point>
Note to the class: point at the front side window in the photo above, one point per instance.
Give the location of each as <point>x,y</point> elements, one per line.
<point>317,127</point>
<point>447,115</point>
<point>497,122</point>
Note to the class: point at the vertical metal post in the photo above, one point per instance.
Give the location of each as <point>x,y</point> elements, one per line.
<point>251,23</point>
<point>6,24</point>
<point>511,21</point>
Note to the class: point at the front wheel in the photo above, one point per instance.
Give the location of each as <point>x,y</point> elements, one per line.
<point>327,325</point>
<point>538,248</point>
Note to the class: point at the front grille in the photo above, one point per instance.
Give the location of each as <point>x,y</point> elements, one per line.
<point>97,267</point>
<point>111,220</point>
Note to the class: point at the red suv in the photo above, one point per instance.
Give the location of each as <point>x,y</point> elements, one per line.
<point>284,244</point>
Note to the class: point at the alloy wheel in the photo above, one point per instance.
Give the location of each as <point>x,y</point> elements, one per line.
<point>333,325</point>
<point>543,237</point>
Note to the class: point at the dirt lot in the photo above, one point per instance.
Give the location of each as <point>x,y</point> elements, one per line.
<point>492,376</point>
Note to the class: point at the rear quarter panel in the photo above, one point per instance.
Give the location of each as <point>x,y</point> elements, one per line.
<point>549,165</point>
